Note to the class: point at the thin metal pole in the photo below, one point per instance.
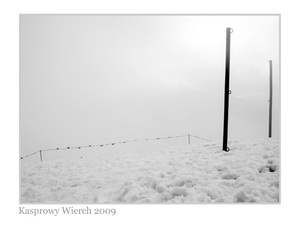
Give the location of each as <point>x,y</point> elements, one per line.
<point>189,139</point>
<point>41,156</point>
<point>270,99</point>
<point>227,91</point>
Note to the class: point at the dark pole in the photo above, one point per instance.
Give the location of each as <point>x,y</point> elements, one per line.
<point>41,156</point>
<point>227,91</point>
<point>189,139</point>
<point>270,100</point>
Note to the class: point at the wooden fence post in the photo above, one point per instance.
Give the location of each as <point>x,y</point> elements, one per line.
<point>41,156</point>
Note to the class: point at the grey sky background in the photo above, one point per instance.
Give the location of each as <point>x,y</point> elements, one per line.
<point>99,79</point>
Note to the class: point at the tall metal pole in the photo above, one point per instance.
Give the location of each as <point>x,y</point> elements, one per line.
<point>227,91</point>
<point>270,100</point>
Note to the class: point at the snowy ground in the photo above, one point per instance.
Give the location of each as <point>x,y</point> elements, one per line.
<point>200,173</point>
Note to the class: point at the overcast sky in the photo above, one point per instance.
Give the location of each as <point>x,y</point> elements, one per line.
<point>97,79</point>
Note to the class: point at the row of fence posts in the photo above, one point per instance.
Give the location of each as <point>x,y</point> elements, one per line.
<point>41,155</point>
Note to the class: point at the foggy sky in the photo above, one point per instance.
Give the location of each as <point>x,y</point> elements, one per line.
<point>97,79</point>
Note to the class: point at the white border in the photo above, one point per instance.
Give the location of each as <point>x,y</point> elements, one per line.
<point>152,214</point>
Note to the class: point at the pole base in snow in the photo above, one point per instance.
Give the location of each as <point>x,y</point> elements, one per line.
<point>227,149</point>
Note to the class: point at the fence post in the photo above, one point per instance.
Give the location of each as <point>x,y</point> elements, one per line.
<point>227,91</point>
<point>41,156</point>
<point>270,100</point>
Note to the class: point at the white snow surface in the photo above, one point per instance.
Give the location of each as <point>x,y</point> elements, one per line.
<point>201,173</point>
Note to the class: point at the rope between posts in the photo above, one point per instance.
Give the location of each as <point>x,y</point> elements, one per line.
<point>200,138</point>
<point>113,143</point>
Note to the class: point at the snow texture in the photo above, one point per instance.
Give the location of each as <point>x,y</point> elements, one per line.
<point>201,173</point>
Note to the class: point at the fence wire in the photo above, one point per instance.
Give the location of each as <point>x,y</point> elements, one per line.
<point>200,138</point>
<point>112,143</point>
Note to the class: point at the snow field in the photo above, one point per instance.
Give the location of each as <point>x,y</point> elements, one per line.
<point>201,173</point>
